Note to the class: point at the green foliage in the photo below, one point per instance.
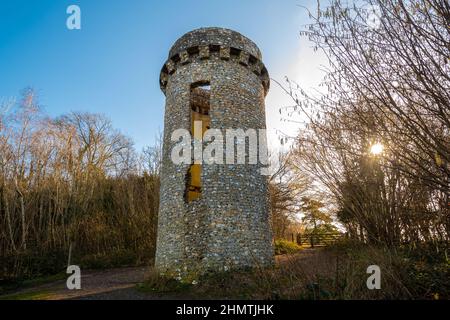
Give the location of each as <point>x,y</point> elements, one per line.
<point>286,247</point>
<point>325,228</point>
<point>314,216</point>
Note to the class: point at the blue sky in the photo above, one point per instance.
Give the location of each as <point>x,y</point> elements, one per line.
<point>111,66</point>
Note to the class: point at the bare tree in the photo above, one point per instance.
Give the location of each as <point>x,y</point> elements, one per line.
<point>71,182</point>
<point>388,83</point>
<point>286,186</point>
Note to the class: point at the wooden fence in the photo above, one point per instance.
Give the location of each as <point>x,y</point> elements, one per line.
<point>314,239</point>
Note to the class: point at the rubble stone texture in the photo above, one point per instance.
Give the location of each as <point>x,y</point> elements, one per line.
<point>228,227</point>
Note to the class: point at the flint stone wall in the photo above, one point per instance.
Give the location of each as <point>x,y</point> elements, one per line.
<point>229,226</point>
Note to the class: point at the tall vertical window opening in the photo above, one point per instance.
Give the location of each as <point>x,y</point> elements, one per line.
<point>200,108</point>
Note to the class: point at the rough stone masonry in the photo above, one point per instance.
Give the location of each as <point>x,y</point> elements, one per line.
<point>213,217</point>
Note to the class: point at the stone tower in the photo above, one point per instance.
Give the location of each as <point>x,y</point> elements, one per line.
<point>215,216</point>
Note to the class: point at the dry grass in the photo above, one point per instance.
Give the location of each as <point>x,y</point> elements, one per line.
<point>321,273</point>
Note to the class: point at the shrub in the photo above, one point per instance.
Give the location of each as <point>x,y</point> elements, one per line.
<point>286,247</point>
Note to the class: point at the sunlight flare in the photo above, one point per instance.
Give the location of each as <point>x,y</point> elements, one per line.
<point>376,148</point>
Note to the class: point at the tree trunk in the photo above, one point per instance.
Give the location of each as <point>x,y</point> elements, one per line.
<point>22,216</point>
<point>8,220</point>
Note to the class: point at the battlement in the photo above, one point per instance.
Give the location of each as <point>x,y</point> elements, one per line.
<point>215,36</point>
<point>207,43</point>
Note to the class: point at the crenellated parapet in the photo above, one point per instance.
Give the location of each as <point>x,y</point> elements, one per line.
<point>215,43</point>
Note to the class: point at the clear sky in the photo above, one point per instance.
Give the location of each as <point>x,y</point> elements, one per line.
<point>111,66</point>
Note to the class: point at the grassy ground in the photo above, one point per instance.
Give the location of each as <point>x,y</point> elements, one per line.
<point>29,283</point>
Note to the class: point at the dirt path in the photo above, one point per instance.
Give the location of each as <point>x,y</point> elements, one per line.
<point>119,284</point>
<point>108,284</point>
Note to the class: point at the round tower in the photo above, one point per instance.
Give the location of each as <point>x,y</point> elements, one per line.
<point>214,216</point>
